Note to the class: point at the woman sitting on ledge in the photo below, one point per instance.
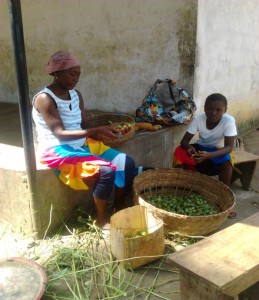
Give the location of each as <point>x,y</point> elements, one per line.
<point>65,143</point>
<point>212,153</point>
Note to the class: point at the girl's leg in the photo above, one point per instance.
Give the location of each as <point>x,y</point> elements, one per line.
<point>121,193</point>
<point>225,173</point>
<point>102,191</point>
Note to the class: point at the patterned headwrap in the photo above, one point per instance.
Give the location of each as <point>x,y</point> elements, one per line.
<point>61,60</point>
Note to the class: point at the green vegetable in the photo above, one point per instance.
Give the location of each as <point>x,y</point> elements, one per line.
<point>192,205</point>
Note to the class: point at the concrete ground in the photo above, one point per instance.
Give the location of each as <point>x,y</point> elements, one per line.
<point>247,204</point>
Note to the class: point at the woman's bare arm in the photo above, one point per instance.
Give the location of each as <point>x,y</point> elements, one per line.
<point>47,107</point>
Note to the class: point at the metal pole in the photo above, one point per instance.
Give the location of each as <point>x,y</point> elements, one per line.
<point>24,104</point>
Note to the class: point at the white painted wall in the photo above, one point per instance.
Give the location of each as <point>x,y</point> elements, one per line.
<point>124,46</point>
<point>227,55</point>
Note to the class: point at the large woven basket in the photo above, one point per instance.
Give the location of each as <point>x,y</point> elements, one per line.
<point>107,119</point>
<point>180,182</point>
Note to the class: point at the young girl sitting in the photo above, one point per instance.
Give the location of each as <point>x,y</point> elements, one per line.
<point>211,154</point>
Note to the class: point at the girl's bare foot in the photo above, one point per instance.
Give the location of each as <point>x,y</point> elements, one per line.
<point>232,214</point>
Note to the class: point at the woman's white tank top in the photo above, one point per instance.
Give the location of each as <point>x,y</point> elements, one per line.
<point>70,114</point>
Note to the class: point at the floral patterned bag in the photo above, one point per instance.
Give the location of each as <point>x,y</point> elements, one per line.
<point>174,108</point>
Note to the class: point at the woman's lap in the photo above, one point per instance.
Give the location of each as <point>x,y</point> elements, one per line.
<point>74,164</point>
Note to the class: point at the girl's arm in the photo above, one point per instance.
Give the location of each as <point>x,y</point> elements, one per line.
<point>228,146</point>
<point>185,143</point>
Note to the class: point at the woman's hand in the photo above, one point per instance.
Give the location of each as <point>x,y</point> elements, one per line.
<point>106,130</point>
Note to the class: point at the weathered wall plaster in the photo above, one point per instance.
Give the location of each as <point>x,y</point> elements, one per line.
<point>227,56</point>
<point>207,46</point>
<point>124,46</point>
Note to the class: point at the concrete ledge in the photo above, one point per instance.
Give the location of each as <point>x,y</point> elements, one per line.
<point>55,201</point>
<point>154,148</point>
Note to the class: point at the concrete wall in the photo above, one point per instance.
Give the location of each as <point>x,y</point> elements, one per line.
<point>227,56</point>
<point>124,46</point>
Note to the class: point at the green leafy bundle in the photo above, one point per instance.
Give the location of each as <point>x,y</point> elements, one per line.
<point>192,205</point>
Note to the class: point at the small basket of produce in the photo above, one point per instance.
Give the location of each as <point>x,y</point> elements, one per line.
<point>188,202</point>
<point>137,237</point>
<point>123,123</point>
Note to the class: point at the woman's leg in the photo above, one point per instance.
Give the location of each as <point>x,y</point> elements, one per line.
<point>102,216</point>
<point>102,191</point>
<point>121,193</point>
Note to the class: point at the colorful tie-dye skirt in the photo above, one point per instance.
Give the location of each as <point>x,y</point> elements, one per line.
<point>73,164</point>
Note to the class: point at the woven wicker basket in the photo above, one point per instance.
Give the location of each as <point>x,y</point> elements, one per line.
<point>180,182</point>
<point>107,119</point>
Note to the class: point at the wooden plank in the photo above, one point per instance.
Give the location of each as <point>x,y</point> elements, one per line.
<point>192,289</point>
<point>242,156</point>
<point>227,260</point>
<point>247,169</point>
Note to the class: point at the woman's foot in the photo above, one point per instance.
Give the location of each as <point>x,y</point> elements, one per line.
<point>103,225</point>
<point>106,226</point>
<point>104,229</point>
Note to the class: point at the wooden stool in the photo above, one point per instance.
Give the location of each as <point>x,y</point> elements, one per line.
<point>222,265</point>
<point>244,167</point>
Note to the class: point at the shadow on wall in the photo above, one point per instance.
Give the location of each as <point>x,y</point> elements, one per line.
<point>10,125</point>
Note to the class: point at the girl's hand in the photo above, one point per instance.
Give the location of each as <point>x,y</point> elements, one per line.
<point>191,151</point>
<point>200,156</point>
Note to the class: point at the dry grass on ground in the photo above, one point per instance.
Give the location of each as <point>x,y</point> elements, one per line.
<point>79,265</point>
